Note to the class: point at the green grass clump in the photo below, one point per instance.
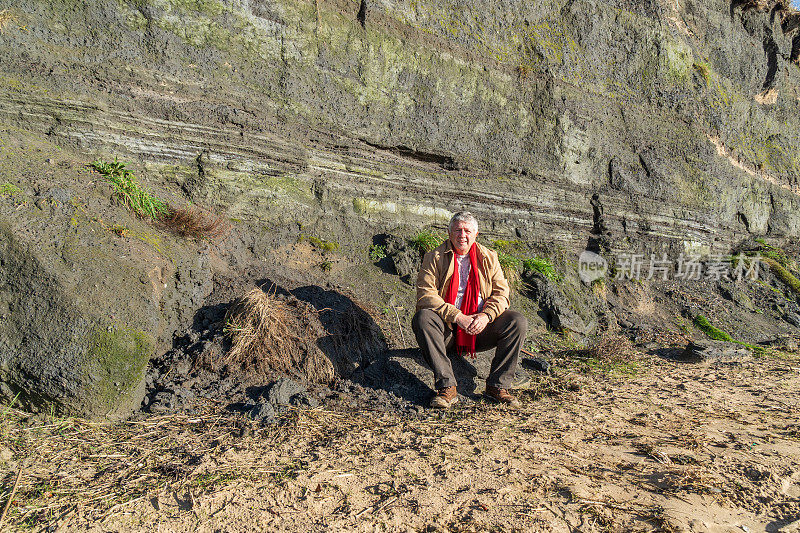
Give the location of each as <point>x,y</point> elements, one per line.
<point>12,191</point>
<point>510,264</point>
<point>543,267</point>
<point>128,191</point>
<point>9,189</point>
<point>427,240</point>
<point>507,246</point>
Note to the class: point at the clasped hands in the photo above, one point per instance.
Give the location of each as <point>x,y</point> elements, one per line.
<point>472,324</point>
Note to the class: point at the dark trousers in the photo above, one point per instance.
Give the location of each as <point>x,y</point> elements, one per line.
<point>506,333</point>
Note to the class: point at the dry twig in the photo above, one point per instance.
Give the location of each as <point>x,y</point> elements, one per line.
<point>10,497</point>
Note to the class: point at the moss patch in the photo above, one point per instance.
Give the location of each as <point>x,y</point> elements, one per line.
<point>783,274</point>
<point>711,332</point>
<point>717,334</point>
<point>116,361</point>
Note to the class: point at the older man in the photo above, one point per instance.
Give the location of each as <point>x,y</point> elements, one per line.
<point>462,302</point>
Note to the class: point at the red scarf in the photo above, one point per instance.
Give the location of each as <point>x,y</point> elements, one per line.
<point>465,343</point>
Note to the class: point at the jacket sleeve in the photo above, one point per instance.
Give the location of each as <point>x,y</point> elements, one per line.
<point>498,301</point>
<point>428,293</point>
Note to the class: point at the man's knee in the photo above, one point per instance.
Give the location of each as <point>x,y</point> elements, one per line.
<point>425,319</point>
<point>516,321</point>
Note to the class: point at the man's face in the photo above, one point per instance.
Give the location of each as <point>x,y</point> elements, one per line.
<point>462,236</point>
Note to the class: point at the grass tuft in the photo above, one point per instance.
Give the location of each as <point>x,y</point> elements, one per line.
<point>542,266</point>
<point>267,334</point>
<point>711,332</point>
<point>607,353</point>
<point>377,252</point>
<point>427,240</point>
<point>510,264</point>
<point>12,191</point>
<point>193,222</point>
<point>717,334</point>
<point>323,245</point>
<point>128,192</point>
<point>773,252</point>
<point>9,189</point>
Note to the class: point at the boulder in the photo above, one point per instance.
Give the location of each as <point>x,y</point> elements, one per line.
<point>792,318</point>
<point>560,312</point>
<point>262,412</point>
<point>82,308</point>
<point>404,257</point>
<point>708,350</point>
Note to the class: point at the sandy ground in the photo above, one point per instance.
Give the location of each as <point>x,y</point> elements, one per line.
<point>671,447</point>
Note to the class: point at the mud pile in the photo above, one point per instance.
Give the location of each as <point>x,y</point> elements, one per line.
<point>325,325</point>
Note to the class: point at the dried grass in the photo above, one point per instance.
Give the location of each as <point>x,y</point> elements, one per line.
<point>81,471</point>
<point>194,222</point>
<point>76,466</point>
<point>693,479</point>
<point>608,353</point>
<point>611,347</point>
<point>273,334</point>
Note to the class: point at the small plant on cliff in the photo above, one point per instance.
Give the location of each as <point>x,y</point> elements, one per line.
<point>427,240</point>
<point>543,267</point>
<point>128,192</point>
<point>717,334</point>
<point>711,332</point>
<point>13,192</point>
<point>320,244</point>
<point>773,252</point>
<point>188,223</point>
<point>377,252</point>
<point>9,189</point>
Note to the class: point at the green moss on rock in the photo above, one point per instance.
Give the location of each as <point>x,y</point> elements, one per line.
<point>116,360</point>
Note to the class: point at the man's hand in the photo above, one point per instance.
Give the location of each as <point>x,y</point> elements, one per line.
<point>478,324</point>
<point>464,321</point>
<point>472,324</point>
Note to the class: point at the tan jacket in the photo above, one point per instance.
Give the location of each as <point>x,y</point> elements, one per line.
<point>437,270</point>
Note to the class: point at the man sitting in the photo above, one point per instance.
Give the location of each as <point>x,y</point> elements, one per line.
<point>462,301</point>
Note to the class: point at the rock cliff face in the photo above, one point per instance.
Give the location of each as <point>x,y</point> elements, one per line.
<point>682,115</point>
<point>639,126</point>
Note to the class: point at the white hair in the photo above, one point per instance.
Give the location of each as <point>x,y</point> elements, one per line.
<point>463,216</point>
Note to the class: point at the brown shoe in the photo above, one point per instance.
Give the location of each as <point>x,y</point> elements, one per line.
<point>445,398</point>
<point>500,396</point>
